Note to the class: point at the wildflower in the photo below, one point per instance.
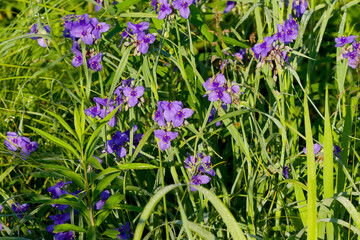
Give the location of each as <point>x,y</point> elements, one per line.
<point>164,9</point>
<point>300,7</point>
<point>205,166</point>
<point>229,5</point>
<point>116,144</point>
<point>317,149</point>
<point>170,109</point>
<point>341,41</point>
<point>286,172</point>
<point>93,111</point>
<point>154,4</point>
<point>133,94</point>
<point>290,31</point>
<point>1,208</point>
<point>103,197</point>
<point>106,109</point>
<point>19,209</point>
<point>240,55</point>
<point>27,147</point>
<point>83,32</point>
<point>41,41</point>
<point>124,232</point>
<point>263,48</point>
<point>197,180</point>
<point>98,6</point>
<point>165,138</point>
<point>98,28</point>
<point>353,58</point>
<point>220,94</point>
<point>181,115</point>
<point>136,28</point>
<point>191,162</point>
<point>183,7</point>
<point>11,141</point>
<point>213,84</point>
<point>336,151</point>
<point>94,62</point>
<point>159,116</point>
<point>60,218</point>
<point>64,236</point>
<point>145,40</point>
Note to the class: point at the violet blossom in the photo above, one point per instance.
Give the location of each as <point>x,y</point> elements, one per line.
<point>165,138</point>
<point>133,94</point>
<point>229,5</point>
<point>183,7</point>
<point>124,232</point>
<point>103,197</point>
<point>35,30</point>
<point>164,9</point>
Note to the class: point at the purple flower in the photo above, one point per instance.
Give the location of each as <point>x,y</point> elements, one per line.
<point>136,28</point>
<point>60,218</point>
<point>353,58</point>
<point>336,151</point>
<point>77,59</point>
<point>133,94</point>
<point>165,138</point>
<point>83,33</point>
<point>94,62</point>
<point>181,115</point>
<point>98,6</point>
<point>356,45</point>
<point>93,111</point>
<point>301,7</point>
<point>64,236</point>
<point>56,190</point>
<point>98,28</point>
<point>41,41</point>
<point>154,4</point>
<point>183,7</point>
<point>1,208</point>
<point>11,141</point>
<point>317,149</point>
<point>240,55</point>
<point>164,9</point>
<point>103,197</point>
<point>159,117</point>
<point>197,180</point>
<point>286,172</point>
<point>280,32</point>
<point>205,166</point>
<point>290,31</point>
<point>170,109</point>
<point>220,94</point>
<point>191,162</point>
<point>124,232</point>
<point>264,47</point>
<point>213,84</point>
<point>144,41</point>
<point>26,146</point>
<point>212,116</point>
<point>19,209</point>
<point>116,144</point>
<point>229,5</point>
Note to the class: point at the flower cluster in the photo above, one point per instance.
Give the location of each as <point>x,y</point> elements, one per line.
<point>299,6</point>
<point>43,30</point>
<point>119,141</point>
<point>124,232</point>
<point>352,52</point>
<point>200,169</point>
<point>169,114</point>
<point>317,148</point>
<point>163,8</point>
<point>87,30</point>
<point>269,51</point>
<point>56,192</point>
<point>229,5</point>
<point>14,142</point>
<point>217,89</point>
<point>103,197</point>
<point>19,209</point>
<point>136,35</point>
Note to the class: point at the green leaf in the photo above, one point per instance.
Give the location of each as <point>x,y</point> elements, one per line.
<point>62,122</point>
<point>234,42</point>
<point>113,201</point>
<point>142,142</point>
<point>68,227</point>
<point>56,141</point>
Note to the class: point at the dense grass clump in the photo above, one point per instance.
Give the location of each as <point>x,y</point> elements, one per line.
<point>179,119</point>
